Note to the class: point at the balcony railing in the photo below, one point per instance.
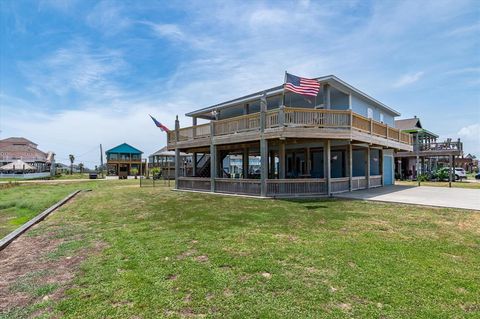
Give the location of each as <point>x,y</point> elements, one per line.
<point>441,146</point>
<point>291,117</point>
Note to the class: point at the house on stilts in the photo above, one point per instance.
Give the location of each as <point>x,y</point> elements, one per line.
<point>338,141</point>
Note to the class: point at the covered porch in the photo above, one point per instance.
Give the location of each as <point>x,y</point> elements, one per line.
<point>289,167</point>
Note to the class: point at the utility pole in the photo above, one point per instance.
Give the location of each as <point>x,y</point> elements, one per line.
<point>101,160</point>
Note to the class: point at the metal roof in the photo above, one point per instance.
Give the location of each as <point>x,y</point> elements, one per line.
<point>330,79</point>
<point>124,148</point>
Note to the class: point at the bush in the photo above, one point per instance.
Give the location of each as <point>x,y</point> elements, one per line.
<point>442,173</point>
<point>422,177</point>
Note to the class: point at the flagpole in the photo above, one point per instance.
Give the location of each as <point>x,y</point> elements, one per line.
<point>283,94</point>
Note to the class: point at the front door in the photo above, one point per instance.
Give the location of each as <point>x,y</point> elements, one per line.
<point>387,170</point>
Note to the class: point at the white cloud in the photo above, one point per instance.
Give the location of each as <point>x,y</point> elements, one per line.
<point>408,79</point>
<point>75,69</point>
<point>470,132</point>
<point>268,17</point>
<point>109,17</point>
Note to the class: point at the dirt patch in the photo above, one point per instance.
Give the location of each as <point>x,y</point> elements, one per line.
<point>28,276</point>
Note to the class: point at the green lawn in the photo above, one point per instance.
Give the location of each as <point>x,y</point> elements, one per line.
<point>177,254</point>
<point>21,203</point>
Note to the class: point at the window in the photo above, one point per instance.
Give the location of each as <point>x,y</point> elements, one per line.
<point>370,113</point>
<point>381,117</point>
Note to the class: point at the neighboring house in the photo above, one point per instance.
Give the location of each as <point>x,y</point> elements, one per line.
<point>122,159</point>
<point>338,141</point>
<point>469,163</point>
<point>427,152</point>
<point>20,148</point>
<point>165,160</point>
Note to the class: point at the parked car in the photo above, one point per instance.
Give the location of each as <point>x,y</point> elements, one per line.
<point>93,176</point>
<point>460,173</point>
<point>477,176</point>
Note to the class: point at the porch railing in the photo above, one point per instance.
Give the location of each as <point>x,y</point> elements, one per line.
<point>339,185</point>
<point>359,182</point>
<point>250,122</point>
<point>296,187</point>
<point>375,180</point>
<point>194,183</point>
<point>237,186</point>
<point>292,117</point>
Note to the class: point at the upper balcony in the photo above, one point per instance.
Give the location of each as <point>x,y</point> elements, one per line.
<point>445,148</point>
<point>291,122</point>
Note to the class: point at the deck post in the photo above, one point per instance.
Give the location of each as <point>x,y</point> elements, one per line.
<point>194,164</point>
<point>368,167</point>
<point>450,171</point>
<point>328,166</point>
<point>281,116</point>
<point>213,158</point>
<point>177,152</point>
<point>417,170</point>
<point>381,167</point>
<point>281,159</point>
<point>350,166</point>
<point>326,96</point>
<point>263,147</point>
<point>194,124</point>
<point>245,162</point>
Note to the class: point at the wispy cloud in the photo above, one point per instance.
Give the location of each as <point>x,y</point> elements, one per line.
<point>408,79</point>
<point>109,17</point>
<point>77,69</point>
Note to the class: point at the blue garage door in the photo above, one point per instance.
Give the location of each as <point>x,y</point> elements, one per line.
<point>388,170</point>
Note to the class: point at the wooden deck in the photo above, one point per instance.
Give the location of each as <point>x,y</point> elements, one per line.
<point>447,148</point>
<point>291,123</point>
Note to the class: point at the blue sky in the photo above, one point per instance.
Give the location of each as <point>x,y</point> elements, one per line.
<point>74,74</point>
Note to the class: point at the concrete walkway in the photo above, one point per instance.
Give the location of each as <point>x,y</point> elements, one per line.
<point>422,195</point>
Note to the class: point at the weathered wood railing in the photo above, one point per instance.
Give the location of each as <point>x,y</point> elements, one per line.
<point>250,122</point>
<point>375,180</point>
<point>446,145</point>
<point>339,185</point>
<point>359,182</point>
<point>292,117</point>
<point>238,186</point>
<point>279,187</point>
<point>316,118</point>
<point>194,183</point>
<point>296,187</point>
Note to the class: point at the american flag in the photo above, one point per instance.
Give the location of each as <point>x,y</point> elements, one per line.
<point>159,125</point>
<point>300,85</point>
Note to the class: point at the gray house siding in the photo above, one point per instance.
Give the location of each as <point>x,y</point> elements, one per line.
<point>361,107</point>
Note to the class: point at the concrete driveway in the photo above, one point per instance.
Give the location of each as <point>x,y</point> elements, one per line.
<point>422,195</point>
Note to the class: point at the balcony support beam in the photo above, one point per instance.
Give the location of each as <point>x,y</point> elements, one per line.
<point>281,159</point>
<point>367,170</point>
<point>263,147</point>
<point>327,166</point>
<point>350,166</point>
<point>177,152</point>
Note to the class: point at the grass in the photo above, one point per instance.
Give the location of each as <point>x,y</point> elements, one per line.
<point>73,176</point>
<point>21,203</point>
<point>176,254</point>
<point>441,184</point>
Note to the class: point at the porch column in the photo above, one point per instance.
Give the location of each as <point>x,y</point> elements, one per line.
<point>177,152</point>
<point>327,166</point>
<point>281,158</point>
<point>350,167</point>
<point>194,123</point>
<point>381,167</point>
<point>245,162</point>
<point>263,147</point>
<point>308,163</point>
<point>213,158</point>
<point>194,164</point>
<point>368,167</point>
<point>450,171</point>
<point>417,170</point>
<point>272,165</point>
<point>264,166</point>
<point>326,96</point>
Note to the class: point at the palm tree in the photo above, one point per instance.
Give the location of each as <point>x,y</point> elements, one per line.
<point>72,159</point>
